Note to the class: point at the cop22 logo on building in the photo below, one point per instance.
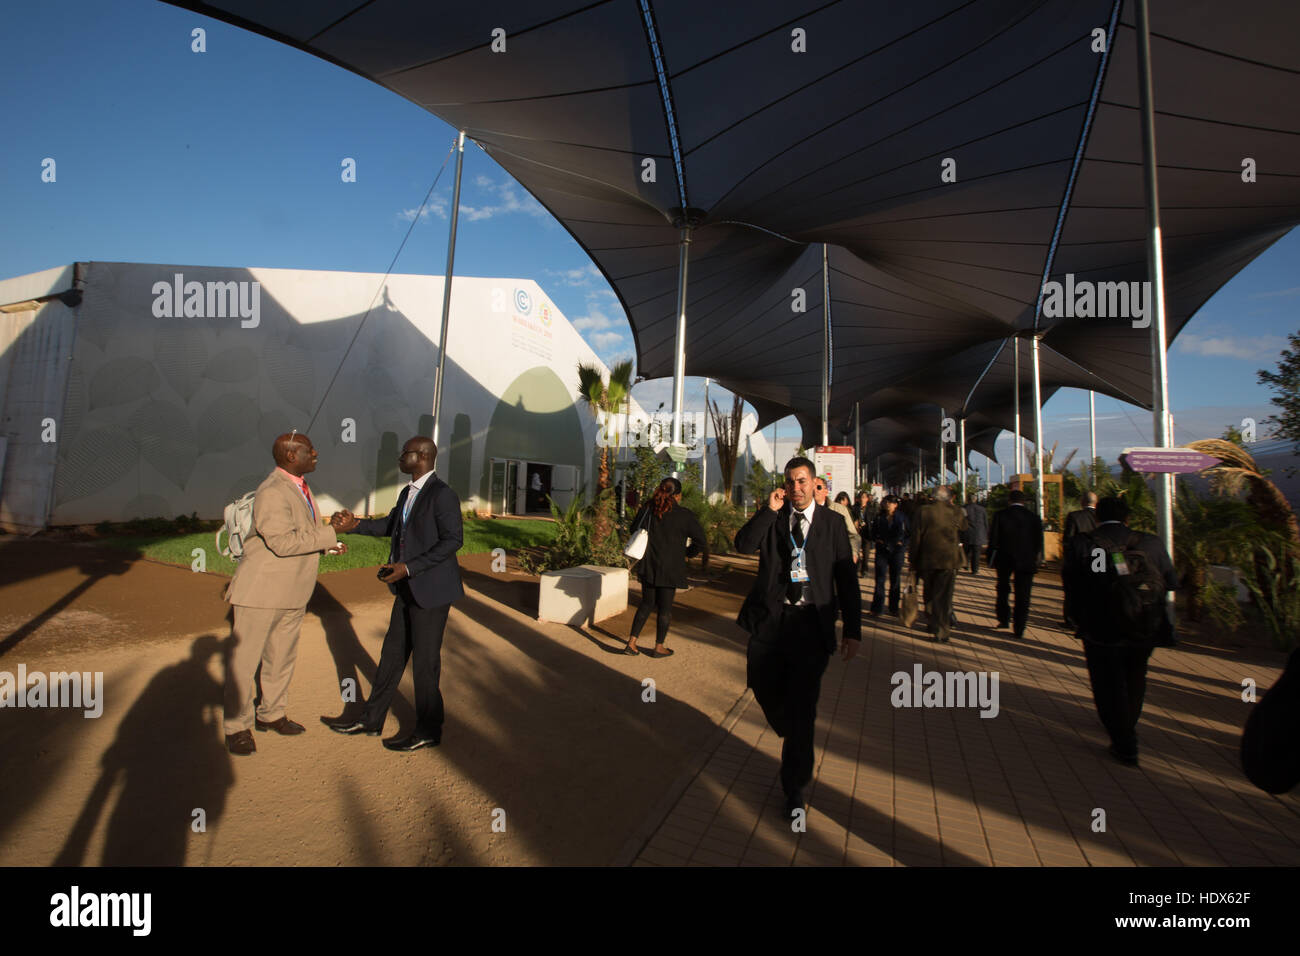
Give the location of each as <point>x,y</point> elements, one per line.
<point>523,304</point>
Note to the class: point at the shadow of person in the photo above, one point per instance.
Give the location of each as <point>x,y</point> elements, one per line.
<point>170,759</point>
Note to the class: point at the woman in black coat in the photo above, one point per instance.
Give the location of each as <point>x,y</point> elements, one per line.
<point>662,570</point>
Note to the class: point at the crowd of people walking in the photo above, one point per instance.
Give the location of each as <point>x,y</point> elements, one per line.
<point>811,554</point>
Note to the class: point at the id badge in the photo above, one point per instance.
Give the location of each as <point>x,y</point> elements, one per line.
<point>1121,566</point>
<point>798,571</point>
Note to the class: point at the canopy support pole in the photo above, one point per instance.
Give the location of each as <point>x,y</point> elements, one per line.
<point>961,464</point>
<point>1092,435</point>
<point>1017,403</point>
<point>943,446</point>
<point>704,460</point>
<point>1038,431</point>
<point>826,346</point>
<point>857,446</point>
<point>446,289</point>
<point>1156,275</point>
<point>679,354</point>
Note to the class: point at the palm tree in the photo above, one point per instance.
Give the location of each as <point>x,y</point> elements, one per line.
<point>1238,470</point>
<point>605,399</point>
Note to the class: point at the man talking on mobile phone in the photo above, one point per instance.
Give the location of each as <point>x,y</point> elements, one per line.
<point>426,532</point>
<point>805,575</point>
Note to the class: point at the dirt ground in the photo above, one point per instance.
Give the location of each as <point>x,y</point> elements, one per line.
<point>547,733</point>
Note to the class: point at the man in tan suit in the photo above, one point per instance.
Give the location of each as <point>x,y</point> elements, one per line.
<point>270,591</point>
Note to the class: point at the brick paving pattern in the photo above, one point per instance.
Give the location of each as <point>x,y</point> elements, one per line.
<point>945,787</point>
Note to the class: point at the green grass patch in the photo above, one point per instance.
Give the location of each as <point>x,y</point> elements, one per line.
<point>481,537</point>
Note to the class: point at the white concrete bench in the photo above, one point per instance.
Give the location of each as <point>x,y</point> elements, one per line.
<point>588,593</point>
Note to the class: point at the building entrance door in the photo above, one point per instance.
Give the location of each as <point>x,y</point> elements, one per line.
<point>505,479</point>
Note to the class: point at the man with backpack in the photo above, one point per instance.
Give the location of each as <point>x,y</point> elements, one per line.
<point>270,590</point>
<point>1118,582</point>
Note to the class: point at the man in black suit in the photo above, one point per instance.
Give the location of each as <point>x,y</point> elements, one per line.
<point>805,571</point>
<point>1015,548</point>
<point>1083,521</point>
<point>426,531</point>
<point>1117,646</point>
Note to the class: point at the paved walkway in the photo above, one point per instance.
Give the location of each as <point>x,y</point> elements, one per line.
<point>1029,787</point>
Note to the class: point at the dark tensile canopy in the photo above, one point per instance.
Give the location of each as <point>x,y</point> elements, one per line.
<point>953,155</point>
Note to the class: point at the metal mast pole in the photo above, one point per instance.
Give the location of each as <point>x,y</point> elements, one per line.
<point>961,465</point>
<point>859,481</point>
<point>1092,434</point>
<point>943,446</point>
<point>1156,274</point>
<point>704,464</point>
<point>1038,431</point>
<point>679,355</point>
<point>446,289</point>
<point>826,346</point>
<point>1016,359</point>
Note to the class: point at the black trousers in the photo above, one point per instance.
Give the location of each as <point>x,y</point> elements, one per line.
<point>1118,674</point>
<point>891,564</point>
<point>660,600</point>
<point>413,632</point>
<point>1024,583</point>
<point>784,667</point>
<point>939,587</point>
<point>973,557</point>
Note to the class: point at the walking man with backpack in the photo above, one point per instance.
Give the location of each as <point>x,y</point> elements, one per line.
<point>1118,581</point>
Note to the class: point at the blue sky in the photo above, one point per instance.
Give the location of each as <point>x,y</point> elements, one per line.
<point>233,157</point>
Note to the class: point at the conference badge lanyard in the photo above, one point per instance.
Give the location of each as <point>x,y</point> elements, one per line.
<point>799,562</point>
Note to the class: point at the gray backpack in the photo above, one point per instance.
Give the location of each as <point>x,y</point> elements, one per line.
<point>238,527</point>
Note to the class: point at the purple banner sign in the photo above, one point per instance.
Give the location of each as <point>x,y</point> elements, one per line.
<point>1168,460</point>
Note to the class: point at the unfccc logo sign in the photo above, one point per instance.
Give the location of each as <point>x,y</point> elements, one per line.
<point>523,304</point>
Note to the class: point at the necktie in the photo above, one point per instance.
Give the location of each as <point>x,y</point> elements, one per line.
<point>306,493</point>
<point>794,590</point>
<point>399,532</point>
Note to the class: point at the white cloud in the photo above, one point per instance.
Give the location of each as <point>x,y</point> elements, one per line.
<point>594,320</point>
<point>1255,348</point>
<point>506,197</point>
<point>578,278</point>
<point>509,198</point>
<point>436,205</point>
<point>603,340</point>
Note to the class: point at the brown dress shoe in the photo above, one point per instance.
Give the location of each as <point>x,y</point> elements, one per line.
<point>241,743</point>
<point>282,726</point>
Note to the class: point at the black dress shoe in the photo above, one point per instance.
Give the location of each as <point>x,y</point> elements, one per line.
<point>241,743</point>
<point>351,727</point>
<point>284,725</point>
<point>412,742</point>
<point>1128,760</point>
<point>794,801</point>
